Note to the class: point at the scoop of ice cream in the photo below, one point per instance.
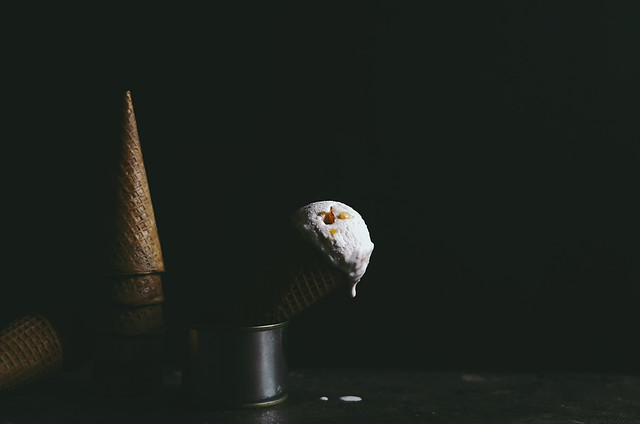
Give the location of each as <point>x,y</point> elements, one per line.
<point>340,233</point>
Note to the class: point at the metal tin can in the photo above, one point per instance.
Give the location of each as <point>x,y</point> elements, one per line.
<point>234,367</point>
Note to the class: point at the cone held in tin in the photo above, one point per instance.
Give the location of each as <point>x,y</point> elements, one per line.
<point>296,278</point>
<point>134,241</point>
<point>310,280</point>
<point>30,349</point>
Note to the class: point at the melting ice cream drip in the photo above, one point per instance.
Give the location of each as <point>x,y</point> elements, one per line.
<point>353,289</point>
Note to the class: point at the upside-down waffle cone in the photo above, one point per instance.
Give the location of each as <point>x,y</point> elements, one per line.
<point>30,349</point>
<point>135,245</point>
<point>129,321</point>
<point>298,277</point>
<point>131,290</point>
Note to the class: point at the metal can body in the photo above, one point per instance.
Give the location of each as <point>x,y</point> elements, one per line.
<point>237,366</point>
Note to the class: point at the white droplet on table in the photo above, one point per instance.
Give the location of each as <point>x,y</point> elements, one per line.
<point>351,398</point>
<point>324,398</point>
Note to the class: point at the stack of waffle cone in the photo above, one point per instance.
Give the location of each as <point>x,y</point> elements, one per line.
<point>30,349</point>
<point>296,278</point>
<point>128,316</point>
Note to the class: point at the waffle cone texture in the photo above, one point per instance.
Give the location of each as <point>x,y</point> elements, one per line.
<point>30,349</point>
<point>311,279</point>
<point>298,278</point>
<point>131,290</point>
<point>129,294</point>
<point>128,320</point>
<point>135,245</point>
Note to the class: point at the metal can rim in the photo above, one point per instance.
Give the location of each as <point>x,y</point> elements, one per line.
<point>239,328</point>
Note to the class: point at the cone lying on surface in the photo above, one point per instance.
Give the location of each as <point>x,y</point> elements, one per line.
<point>128,319</point>
<point>297,278</point>
<point>30,350</point>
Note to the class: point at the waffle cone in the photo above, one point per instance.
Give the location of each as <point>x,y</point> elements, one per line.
<point>131,290</point>
<point>311,279</point>
<point>30,349</point>
<point>298,277</point>
<point>135,245</point>
<point>129,321</point>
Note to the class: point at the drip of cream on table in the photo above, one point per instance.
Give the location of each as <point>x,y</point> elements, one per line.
<point>339,232</point>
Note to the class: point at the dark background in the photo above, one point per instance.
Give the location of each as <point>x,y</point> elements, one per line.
<point>492,148</point>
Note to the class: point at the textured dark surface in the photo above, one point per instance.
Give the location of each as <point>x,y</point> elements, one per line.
<point>388,396</point>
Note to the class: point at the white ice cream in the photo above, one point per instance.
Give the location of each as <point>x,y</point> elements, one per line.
<point>340,233</point>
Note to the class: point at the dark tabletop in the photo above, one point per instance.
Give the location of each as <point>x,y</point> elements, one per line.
<point>387,396</point>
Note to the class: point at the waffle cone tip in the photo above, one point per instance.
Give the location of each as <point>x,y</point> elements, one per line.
<point>129,123</point>
<point>134,244</point>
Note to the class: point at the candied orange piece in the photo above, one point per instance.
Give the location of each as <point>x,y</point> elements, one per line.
<point>329,218</point>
